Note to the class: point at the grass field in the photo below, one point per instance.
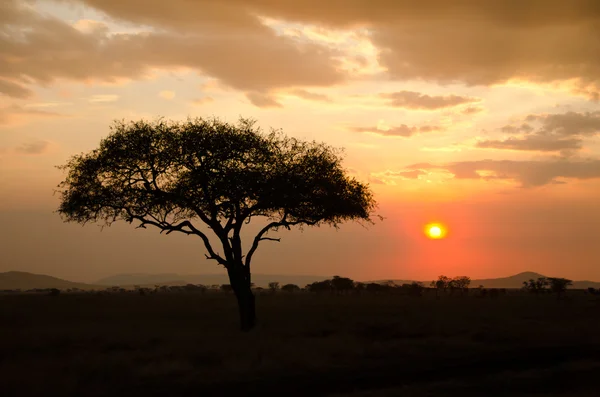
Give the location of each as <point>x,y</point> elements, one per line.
<point>188,344</point>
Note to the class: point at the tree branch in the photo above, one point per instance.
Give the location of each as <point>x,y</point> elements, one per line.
<point>164,226</point>
<point>273,225</point>
<point>270,239</point>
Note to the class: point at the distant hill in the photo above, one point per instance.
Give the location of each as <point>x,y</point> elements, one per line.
<point>515,281</point>
<point>260,280</point>
<point>22,280</point>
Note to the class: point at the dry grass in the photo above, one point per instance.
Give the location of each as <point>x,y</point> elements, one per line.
<point>189,344</point>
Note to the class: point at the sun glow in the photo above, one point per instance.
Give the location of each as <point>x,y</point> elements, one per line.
<point>435,231</point>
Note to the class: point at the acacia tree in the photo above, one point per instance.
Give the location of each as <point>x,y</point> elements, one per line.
<point>441,284</point>
<point>210,178</point>
<point>536,286</point>
<point>559,285</point>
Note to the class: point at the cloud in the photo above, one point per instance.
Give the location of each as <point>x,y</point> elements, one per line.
<point>218,40</point>
<point>402,130</point>
<point>91,26</point>
<point>34,148</point>
<point>532,142</point>
<point>569,124</point>
<point>168,95</point>
<point>414,174</point>
<point>202,101</point>
<point>476,43</point>
<point>390,177</point>
<point>482,42</point>
<point>416,100</point>
<point>14,90</point>
<point>311,96</point>
<point>511,129</point>
<point>102,98</point>
<point>528,173</point>
<point>472,110</point>
<point>14,114</point>
<point>262,100</point>
<point>556,132</point>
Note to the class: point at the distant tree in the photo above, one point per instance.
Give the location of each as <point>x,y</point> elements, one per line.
<point>413,289</point>
<point>274,286</point>
<point>441,284</point>
<point>54,292</point>
<point>342,284</point>
<point>592,290</point>
<point>559,285</point>
<point>177,175</point>
<point>359,287</point>
<point>375,288</point>
<point>536,286</point>
<point>226,287</point>
<point>460,283</point>
<point>320,286</point>
<point>290,288</point>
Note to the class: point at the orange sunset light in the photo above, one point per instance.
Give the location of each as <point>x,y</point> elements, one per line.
<point>435,231</point>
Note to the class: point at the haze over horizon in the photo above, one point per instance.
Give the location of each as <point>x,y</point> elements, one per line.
<point>483,117</point>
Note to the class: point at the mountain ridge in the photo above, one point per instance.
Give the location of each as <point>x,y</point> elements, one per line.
<point>515,281</point>
<point>13,280</point>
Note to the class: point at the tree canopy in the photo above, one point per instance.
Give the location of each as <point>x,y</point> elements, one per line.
<point>186,176</point>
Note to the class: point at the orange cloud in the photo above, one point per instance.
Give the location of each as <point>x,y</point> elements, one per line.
<point>262,100</point>
<point>416,100</point>
<point>228,44</point>
<point>33,148</point>
<point>528,173</point>
<point>474,42</point>
<point>311,96</point>
<point>557,132</point>
<point>14,114</point>
<point>472,110</point>
<point>402,130</point>
<point>14,90</point>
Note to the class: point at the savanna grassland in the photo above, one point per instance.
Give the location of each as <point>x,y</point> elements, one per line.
<point>174,344</point>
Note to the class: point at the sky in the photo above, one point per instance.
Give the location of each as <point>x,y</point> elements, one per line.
<point>481,115</point>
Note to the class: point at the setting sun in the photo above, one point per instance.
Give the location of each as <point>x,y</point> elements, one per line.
<point>435,231</point>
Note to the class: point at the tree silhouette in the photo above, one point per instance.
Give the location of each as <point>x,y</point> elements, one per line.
<point>536,286</point>
<point>414,289</point>
<point>207,175</point>
<point>559,285</point>
<point>274,286</point>
<point>290,288</point>
<point>320,286</point>
<point>342,284</point>
<point>460,283</point>
<point>441,284</point>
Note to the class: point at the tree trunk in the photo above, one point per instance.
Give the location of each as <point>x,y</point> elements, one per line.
<point>240,284</point>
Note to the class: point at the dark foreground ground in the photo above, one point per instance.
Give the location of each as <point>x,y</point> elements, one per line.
<point>306,345</point>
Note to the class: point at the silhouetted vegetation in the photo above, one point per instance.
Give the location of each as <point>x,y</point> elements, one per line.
<point>290,288</point>
<point>559,285</point>
<point>177,340</point>
<point>274,286</point>
<point>536,286</point>
<point>554,285</point>
<point>176,175</point>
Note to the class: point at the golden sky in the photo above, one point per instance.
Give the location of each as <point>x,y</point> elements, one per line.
<point>482,115</point>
